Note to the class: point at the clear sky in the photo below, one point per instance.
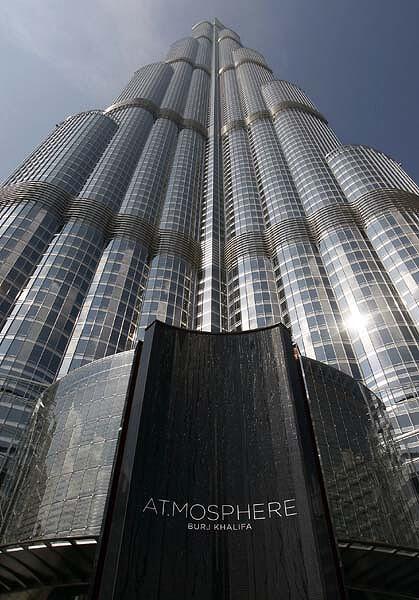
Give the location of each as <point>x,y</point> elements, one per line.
<point>357,59</point>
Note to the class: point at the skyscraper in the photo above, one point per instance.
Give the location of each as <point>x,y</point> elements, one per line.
<point>211,196</point>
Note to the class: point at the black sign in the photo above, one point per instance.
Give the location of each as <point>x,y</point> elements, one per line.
<point>218,494</point>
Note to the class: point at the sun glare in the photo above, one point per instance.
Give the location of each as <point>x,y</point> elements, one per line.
<point>356,321</point>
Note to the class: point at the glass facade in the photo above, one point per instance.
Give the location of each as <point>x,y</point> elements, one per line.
<point>35,198</point>
<point>369,490</point>
<point>63,474</point>
<point>213,196</point>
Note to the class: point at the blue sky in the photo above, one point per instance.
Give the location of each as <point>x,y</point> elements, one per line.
<point>357,59</point>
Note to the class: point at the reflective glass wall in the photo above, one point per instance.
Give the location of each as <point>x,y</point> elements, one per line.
<point>62,476</point>
<point>371,493</point>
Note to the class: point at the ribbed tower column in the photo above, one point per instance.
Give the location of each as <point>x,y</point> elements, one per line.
<point>51,301</point>
<point>35,336</point>
<point>387,201</point>
<point>308,303</point>
<point>171,288</point>
<point>382,333</point>
<point>35,198</point>
<point>252,293</point>
<point>107,320</point>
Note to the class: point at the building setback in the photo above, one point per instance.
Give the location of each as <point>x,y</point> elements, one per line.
<point>210,196</point>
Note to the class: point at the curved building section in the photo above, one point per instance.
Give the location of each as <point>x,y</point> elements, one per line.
<point>282,95</point>
<point>252,73</point>
<point>228,34</point>
<point>181,210</point>
<point>379,327</point>
<point>252,293</point>
<point>308,304</point>
<point>149,180</point>
<point>33,340</point>
<point>387,201</point>
<point>35,335</point>
<point>203,29</point>
<point>111,176</point>
<point>182,59</point>
<point>37,195</point>
<point>203,54</point>
<point>108,319</point>
<point>27,226</point>
<point>67,156</point>
<point>171,287</point>
<point>38,328</point>
<point>62,489</point>
<point>183,49</point>
<point>227,42</point>
<point>367,170</point>
<point>148,83</point>
<point>305,139</point>
<point>248,55</point>
<point>196,109</point>
<point>368,488</point>
<point>231,109</point>
<point>106,323</point>
<point>18,400</point>
<point>243,210</point>
<point>174,100</point>
<point>310,309</point>
<point>42,320</point>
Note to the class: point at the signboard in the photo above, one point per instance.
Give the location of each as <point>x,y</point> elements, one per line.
<point>218,493</point>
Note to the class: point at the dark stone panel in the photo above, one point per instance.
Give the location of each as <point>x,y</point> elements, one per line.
<point>219,493</point>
